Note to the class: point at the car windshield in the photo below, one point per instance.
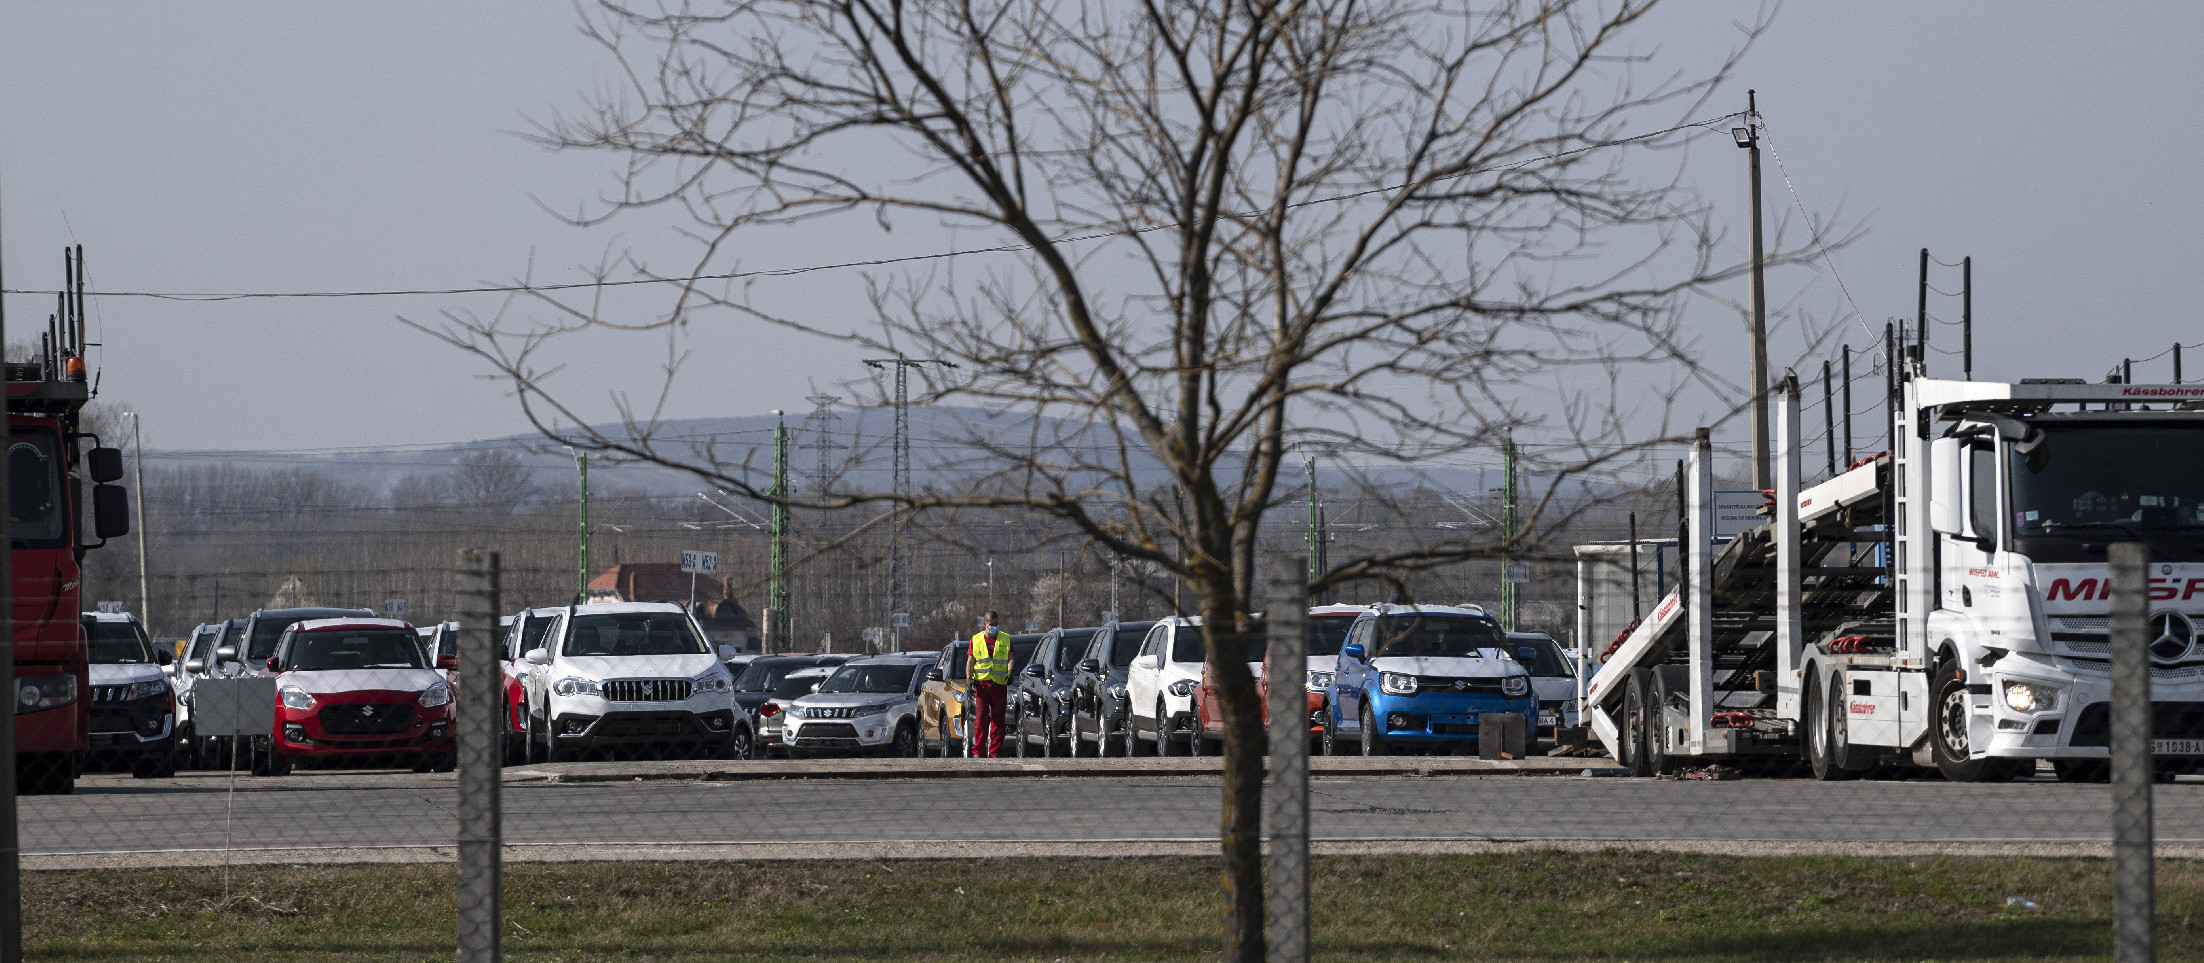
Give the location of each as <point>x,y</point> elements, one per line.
<point>1328,633</point>
<point>633,633</point>
<point>1189,645</point>
<point>118,643</point>
<point>870,678</point>
<point>1127,644</point>
<point>36,518</point>
<point>233,634</point>
<point>1070,648</point>
<point>797,684</point>
<point>1540,656</point>
<point>2097,477</point>
<point>1435,636</point>
<point>336,649</point>
<point>763,676</point>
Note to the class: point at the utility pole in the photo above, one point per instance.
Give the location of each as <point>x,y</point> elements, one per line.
<point>1829,417</point>
<point>820,437</point>
<point>11,878</point>
<point>1507,533</point>
<point>899,557</point>
<point>780,624</point>
<point>1308,463</point>
<point>1921,316</point>
<point>1748,137</point>
<point>1966,315</point>
<point>581,578</point>
<point>1847,406</point>
<point>137,471</point>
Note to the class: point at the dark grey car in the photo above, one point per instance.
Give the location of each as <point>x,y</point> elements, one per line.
<point>1040,697</point>
<point>1099,712</point>
<point>754,687</point>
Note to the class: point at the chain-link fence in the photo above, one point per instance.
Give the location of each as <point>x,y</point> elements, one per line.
<point>584,763</point>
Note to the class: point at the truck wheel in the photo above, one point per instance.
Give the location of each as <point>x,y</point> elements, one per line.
<point>1633,725</point>
<point>1824,745</point>
<point>1373,744</point>
<point>1657,750</point>
<point>1948,735</point>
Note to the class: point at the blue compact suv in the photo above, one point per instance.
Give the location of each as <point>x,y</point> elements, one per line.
<point>1420,676</point>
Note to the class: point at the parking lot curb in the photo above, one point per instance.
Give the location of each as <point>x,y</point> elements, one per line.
<point>743,770</point>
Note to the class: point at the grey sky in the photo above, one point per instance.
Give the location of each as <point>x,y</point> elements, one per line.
<point>264,146</point>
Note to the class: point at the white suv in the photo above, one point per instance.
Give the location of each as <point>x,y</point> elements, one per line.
<point>1160,684</point>
<point>627,675</point>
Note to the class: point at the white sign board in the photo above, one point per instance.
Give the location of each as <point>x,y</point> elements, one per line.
<point>700,563</point>
<point>1736,512</point>
<point>901,620</point>
<point>394,606</point>
<point>1108,617</point>
<point>870,635</point>
<point>111,608</point>
<point>1518,575</point>
<point>1032,625</point>
<point>233,707</point>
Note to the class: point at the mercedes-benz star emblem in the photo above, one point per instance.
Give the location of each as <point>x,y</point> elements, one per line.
<point>2171,634</point>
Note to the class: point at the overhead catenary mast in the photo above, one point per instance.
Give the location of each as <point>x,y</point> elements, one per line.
<point>900,558</point>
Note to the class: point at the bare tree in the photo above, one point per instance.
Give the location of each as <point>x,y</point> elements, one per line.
<point>1215,233</point>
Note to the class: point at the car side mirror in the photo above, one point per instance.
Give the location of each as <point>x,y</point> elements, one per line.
<point>227,653</point>
<point>161,656</point>
<point>1090,665</point>
<point>105,464</point>
<point>272,664</point>
<point>538,656</point>
<point>1034,671</point>
<point>933,673</point>
<point>727,653</point>
<point>110,511</point>
<point>1352,650</point>
<point>815,686</point>
<point>447,662</point>
<point>195,666</point>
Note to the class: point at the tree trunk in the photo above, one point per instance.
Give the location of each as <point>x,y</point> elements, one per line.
<point>1240,821</point>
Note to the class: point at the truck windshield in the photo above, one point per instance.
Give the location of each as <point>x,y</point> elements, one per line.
<point>118,643</point>
<point>331,650</point>
<point>870,678</point>
<point>2093,478</point>
<point>633,633</point>
<point>36,518</point>
<point>1435,636</point>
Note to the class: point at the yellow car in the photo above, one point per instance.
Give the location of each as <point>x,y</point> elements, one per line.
<point>945,699</point>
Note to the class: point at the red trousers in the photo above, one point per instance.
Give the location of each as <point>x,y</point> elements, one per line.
<point>987,719</point>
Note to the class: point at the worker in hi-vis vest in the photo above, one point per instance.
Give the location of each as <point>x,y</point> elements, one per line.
<point>990,678</point>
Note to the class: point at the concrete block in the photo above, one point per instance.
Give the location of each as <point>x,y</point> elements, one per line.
<point>1502,732</point>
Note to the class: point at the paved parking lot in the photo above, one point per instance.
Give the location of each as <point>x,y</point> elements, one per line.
<point>406,813</point>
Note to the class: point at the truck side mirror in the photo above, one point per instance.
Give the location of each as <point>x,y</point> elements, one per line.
<point>110,511</point>
<point>1945,516</point>
<point>105,464</point>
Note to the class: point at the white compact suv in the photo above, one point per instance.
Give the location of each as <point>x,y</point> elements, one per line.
<point>1160,684</point>
<point>867,705</point>
<point>627,675</point>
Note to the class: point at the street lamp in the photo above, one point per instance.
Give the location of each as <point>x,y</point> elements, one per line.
<point>1748,138</point>
<point>581,581</point>
<point>137,449</point>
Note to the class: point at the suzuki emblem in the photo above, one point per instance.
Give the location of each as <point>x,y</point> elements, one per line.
<point>367,710</point>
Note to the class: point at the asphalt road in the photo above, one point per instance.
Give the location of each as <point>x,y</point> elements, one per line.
<point>356,812</point>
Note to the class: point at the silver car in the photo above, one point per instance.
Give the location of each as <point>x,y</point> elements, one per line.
<point>1553,677</point>
<point>867,705</point>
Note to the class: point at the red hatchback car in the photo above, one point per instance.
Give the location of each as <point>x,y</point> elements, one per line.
<point>358,689</point>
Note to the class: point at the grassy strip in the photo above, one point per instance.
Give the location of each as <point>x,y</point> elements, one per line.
<point>1525,906</point>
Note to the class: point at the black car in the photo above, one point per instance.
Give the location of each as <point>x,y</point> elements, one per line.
<point>1098,707</point>
<point>755,686</point>
<point>1040,696</point>
<point>265,626</point>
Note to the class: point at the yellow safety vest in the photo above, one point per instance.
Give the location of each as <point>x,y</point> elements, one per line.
<point>991,657</point>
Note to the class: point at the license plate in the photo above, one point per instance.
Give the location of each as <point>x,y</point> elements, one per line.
<point>2177,747</point>
<point>1545,718</point>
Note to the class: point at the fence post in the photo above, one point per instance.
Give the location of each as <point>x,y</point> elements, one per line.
<point>481,756</point>
<point>1287,589</point>
<point>2134,906</point>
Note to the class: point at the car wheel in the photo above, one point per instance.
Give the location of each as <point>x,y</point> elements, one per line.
<point>1373,744</point>
<point>1948,736</point>
<point>1163,733</point>
<point>1048,733</point>
<point>256,755</point>
<point>739,743</point>
<point>906,741</point>
<point>279,762</point>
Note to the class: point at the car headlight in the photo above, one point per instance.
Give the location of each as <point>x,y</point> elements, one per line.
<point>435,695</point>
<point>1396,683</point>
<point>1182,687</point>
<point>575,685</point>
<point>714,682</point>
<point>1319,680</point>
<point>2030,696</point>
<point>37,692</point>
<point>868,713</point>
<point>143,690</point>
<point>1515,686</point>
<point>296,698</point>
